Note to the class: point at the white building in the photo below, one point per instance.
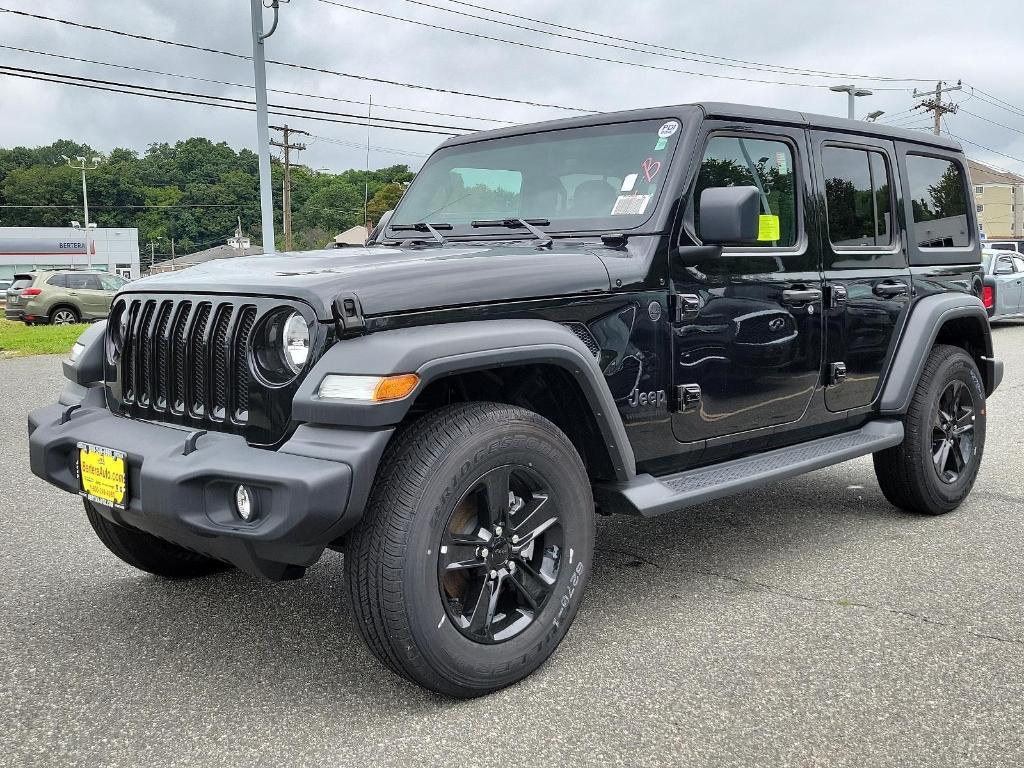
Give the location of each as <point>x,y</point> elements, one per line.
<point>114,250</point>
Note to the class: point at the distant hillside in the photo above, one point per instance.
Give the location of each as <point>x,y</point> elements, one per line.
<point>209,185</point>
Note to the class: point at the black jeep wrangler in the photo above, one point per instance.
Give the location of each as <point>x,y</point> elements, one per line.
<point>623,313</point>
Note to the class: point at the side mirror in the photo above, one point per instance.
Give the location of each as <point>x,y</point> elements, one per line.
<point>729,215</point>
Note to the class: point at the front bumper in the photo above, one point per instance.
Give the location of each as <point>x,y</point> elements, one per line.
<point>309,492</point>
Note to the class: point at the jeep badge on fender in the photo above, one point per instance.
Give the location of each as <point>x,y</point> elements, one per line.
<point>449,404</point>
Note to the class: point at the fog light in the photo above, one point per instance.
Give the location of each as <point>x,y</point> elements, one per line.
<point>245,503</point>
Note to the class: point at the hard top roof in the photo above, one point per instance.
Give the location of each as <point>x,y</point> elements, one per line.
<point>724,110</point>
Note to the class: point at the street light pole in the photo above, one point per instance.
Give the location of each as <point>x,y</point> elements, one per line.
<point>852,92</point>
<point>262,122</point>
<point>83,166</point>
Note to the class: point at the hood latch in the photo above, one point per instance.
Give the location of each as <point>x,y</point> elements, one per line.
<point>348,316</point>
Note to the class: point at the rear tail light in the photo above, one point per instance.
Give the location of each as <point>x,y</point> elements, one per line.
<point>31,291</point>
<point>988,296</point>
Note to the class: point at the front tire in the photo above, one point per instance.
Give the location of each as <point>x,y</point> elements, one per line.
<point>935,467</point>
<point>148,553</point>
<point>471,559</point>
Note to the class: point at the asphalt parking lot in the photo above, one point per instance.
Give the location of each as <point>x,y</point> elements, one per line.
<point>805,624</point>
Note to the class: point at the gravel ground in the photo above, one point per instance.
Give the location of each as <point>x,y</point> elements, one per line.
<point>808,623</point>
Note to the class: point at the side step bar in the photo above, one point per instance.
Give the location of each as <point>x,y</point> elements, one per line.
<point>649,496</point>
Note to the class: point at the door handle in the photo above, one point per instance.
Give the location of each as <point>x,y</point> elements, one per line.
<point>801,295</point>
<point>891,289</point>
<point>72,293</point>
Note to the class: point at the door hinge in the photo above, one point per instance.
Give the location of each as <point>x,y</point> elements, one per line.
<point>687,397</point>
<point>686,306</point>
<point>837,295</point>
<point>836,373</point>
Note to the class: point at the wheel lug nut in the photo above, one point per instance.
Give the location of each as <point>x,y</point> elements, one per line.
<point>515,539</point>
<point>494,574</point>
<point>497,530</point>
<point>484,552</point>
<point>511,567</point>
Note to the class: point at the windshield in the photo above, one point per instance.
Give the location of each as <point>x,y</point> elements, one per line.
<point>593,178</point>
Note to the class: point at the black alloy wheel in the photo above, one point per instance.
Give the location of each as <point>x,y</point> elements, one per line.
<point>953,431</point>
<point>500,555</point>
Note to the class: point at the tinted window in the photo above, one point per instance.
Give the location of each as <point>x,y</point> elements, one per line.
<point>768,165</point>
<point>939,200</point>
<point>21,283</point>
<point>57,280</point>
<point>1002,247</point>
<point>857,191</point>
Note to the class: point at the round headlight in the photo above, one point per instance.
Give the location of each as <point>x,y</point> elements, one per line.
<point>295,341</point>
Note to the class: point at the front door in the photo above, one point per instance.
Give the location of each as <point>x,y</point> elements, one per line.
<point>867,279</point>
<point>747,338</point>
<point>1008,285</point>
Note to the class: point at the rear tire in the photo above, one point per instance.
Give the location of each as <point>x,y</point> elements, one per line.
<point>64,316</point>
<point>934,468</point>
<point>471,559</point>
<point>150,554</point>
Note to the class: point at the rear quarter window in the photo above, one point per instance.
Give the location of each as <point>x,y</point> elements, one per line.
<point>938,194</point>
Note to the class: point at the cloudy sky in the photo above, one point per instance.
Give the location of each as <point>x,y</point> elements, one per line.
<point>977,43</point>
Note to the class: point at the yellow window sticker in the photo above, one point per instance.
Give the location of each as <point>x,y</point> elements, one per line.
<point>768,228</point>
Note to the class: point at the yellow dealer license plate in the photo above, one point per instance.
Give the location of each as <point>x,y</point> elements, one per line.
<point>104,476</point>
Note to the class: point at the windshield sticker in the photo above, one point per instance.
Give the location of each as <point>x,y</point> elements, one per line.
<point>630,205</point>
<point>662,143</point>
<point>651,168</point>
<point>768,229</point>
<point>629,182</point>
<point>668,129</point>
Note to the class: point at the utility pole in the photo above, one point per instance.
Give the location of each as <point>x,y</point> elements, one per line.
<point>83,166</point>
<point>366,179</point>
<point>933,102</point>
<point>286,192</point>
<point>259,63</point>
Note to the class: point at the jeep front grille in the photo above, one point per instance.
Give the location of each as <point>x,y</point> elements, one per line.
<point>178,358</point>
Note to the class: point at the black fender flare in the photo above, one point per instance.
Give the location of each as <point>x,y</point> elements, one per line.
<point>922,328</point>
<point>435,351</point>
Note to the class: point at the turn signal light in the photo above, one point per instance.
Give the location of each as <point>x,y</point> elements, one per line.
<point>988,297</point>
<point>373,389</point>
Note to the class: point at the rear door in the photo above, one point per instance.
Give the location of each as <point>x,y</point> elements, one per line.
<point>747,332</point>
<point>867,277</point>
<point>88,296</point>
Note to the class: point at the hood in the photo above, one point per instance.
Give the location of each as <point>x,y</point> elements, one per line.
<point>391,280</point>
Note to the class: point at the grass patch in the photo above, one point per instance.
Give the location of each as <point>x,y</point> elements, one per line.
<point>18,339</point>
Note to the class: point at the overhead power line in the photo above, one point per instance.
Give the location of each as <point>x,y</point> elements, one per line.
<point>990,98</point>
<point>993,122</point>
<point>981,146</point>
<point>292,65</point>
<point>212,100</point>
<point>248,86</point>
<point>577,54</point>
<point>132,207</point>
<point>711,58</point>
<point>672,53</point>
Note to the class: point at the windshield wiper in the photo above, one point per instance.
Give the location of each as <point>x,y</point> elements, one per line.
<point>544,237</point>
<point>422,226</point>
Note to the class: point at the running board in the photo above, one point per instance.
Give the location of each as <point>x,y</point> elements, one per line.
<point>649,496</point>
